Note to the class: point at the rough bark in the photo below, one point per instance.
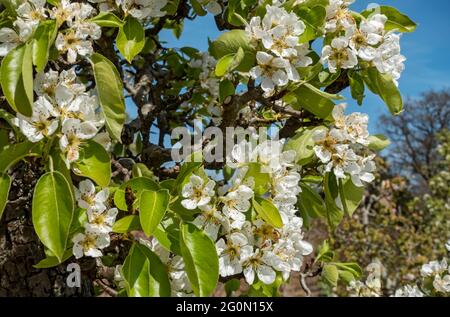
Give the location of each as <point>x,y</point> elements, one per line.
<point>20,247</point>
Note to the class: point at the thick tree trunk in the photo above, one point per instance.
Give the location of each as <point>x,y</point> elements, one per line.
<point>20,247</point>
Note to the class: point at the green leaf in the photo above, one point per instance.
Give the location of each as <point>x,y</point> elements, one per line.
<point>107,19</point>
<point>200,259</point>
<point>43,39</point>
<point>311,203</point>
<point>169,237</point>
<point>356,87</point>
<point>11,154</point>
<point>127,224</point>
<point>330,274</point>
<point>267,211</point>
<point>94,163</point>
<point>384,86</point>
<point>52,211</point>
<point>378,142</point>
<point>232,286</point>
<point>110,94</point>
<point>131,38</point>
<point>311,100</point>
<point>5,185</point>
<point>145,274</point>
<point>261,179</point>
<point>140,170</point>
<point>198,9</point>
<point>186,170</point>
<point>396,20</point>
<point>16,72</point>
<point>229,62</point>
<point>229,43</point>
<point>302,143</point>
<point>52,261</point>
<point>350,195</point>
<point>136,187</point>
<point>334,214</point>
<point>314,19</point>
<point>222,64</point>
<point>153,206</point>
<point>226,88</point>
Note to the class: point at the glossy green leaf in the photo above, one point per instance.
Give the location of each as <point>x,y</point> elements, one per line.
<point>94,163</point>
<point>11,154</point>
<point>310,100</point>
<point>267,211</point>
<point>152,207</point>
<point>396,21</point>
<point>110,94</point>
<point>127,224</point>
<point>200,259</point>
<point>384,86</point>
<point>229,43</point>
<point>378,142</point>
<point>107,19</point>
<point>43,38</point>
<point>52,261</point>
<point>16,71</point>
<point>357,87</point>
<point>145,274</point>
<point>5,184</point>
<point>226,88</point>
<point>351,196</point>
<point>169,237</point>
<point>330,274</point>
<point>302,143</point>
<point>131,38</point>
<point>136,186</point>
<point>52,212</point>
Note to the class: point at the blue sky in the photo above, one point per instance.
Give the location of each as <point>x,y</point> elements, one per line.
<point>427,49</point>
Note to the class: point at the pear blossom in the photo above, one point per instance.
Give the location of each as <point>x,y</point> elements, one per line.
<point>210,220</point>
<point>271,70</point>
<point>370,33</point>
<point>88,198</point>
<point>236,202</point>
<point>42,124</point>
<point>255,264</point>
<point>409,291</point>
<point>101,222</point>
<point>339,55</point>
<point>197,193</point>
<point>338,16</point>
<point>229,252</point>
<point>433,268</point>
<point>388,58</point>
<point>89,244</point>
<point>143,9</point>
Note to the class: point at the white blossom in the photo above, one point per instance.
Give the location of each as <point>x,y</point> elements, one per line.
<point>43,122</point>
<point>89,244</point>
<point>197,193</point>
<point>88,198</point>
<point>339,55</point>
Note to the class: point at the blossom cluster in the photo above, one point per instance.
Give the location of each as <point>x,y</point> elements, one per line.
<point>246,243</point>
<point>99,220</point>
<point>74,40</point>
<point>280,54</point>
<point>434,281</point>
<point>63,108</point>
<point>372,286</point>
<point>368,42</point>
<point>338,147</point>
